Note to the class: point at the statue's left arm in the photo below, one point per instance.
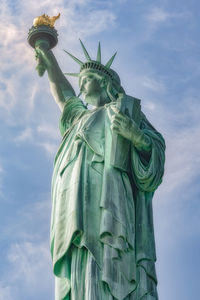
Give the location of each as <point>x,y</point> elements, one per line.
<point>146,166</point>
<point>147,149</point>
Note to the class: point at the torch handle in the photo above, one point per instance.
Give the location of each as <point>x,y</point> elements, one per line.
<point>41,68</point>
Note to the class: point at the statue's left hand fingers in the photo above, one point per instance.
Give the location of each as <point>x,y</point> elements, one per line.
<point>114,108</point>
<point>120,117</point>
<point>124,121</point>
<point>116,121</point>
<point>117,112</point>
<point>115,128</point>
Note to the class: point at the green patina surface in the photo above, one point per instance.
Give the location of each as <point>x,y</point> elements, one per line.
<point>110,162</point>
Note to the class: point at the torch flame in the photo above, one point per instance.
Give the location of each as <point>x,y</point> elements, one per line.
<point>45,20</point>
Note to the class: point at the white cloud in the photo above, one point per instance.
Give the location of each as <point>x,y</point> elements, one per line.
<point>28,259</point>
<point>96,21</point>
<point>48,130</point>
<point>152,84</point>
<point>32,263</point>
<point>9,34</point>
<point>159,15</point>
<point>150,106</point>
<point>5,292</point>
<point>180,125</point>
<point>31,222</point>
<point>50,148</point>
<point>182,159</point>
<point>25,135</point>
<point>49,137</point>
<point>31,101</point>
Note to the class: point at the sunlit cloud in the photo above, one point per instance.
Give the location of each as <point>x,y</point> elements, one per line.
<point>28,255</point>
<point>30,261</point>
<point>25,135</point>
<point>183,159</point>
<point>152,84</point>
<point>5,292</point>
<point>49,148</point>
<point>160,15</point>
<point>47,130</point>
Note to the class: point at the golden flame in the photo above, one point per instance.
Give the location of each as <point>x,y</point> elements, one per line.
<point>45,20</point>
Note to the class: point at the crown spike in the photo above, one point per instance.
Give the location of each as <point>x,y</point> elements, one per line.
<point>72,74</point>
<point>85,51</point>
<point>99,53</point>
<point>109,63</point>
<point>74,58</point>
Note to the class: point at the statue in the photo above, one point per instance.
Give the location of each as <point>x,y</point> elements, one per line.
<point>110,162</point>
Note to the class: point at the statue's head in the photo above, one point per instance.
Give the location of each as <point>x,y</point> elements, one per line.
<point>97,80</point>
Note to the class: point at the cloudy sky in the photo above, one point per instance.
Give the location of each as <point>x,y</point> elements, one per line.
<point>158,60</point>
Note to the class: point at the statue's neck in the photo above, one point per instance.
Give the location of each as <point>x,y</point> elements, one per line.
<point>97,99</point>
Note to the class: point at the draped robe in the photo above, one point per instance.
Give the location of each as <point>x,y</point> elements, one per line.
<point>102,223</point>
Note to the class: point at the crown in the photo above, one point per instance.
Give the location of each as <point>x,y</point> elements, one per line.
<point>94,65</point>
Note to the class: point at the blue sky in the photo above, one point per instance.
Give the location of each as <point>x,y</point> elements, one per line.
<point>158,57</point>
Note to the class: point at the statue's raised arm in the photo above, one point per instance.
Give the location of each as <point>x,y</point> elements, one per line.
<point>59,85</point>
<point>43,37</point>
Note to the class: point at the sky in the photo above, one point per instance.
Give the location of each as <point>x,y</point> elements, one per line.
<point>158,61</point>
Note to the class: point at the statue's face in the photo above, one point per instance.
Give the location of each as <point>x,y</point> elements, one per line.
<point>90,85</point>
<point>92,88</point>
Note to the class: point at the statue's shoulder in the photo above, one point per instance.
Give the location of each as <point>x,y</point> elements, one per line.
<point>73,102</point>
<point>74,108</point>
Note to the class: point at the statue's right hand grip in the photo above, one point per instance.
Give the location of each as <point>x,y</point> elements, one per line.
<point>40,67</point>
<point>41,45</point>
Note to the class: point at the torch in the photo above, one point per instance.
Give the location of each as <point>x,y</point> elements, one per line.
<point>43,33</point>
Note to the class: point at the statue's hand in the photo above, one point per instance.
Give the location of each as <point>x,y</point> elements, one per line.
<point>42,54</point>
<point>46,58</point>
<point>41,58</point>
<point>123,125</point>
<point>126,127</point>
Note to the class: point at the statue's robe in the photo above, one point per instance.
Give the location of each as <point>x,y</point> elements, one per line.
<point>102,239</point>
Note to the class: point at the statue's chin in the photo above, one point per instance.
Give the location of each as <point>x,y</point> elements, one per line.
<point>93,99</point>
<point>96,99</point>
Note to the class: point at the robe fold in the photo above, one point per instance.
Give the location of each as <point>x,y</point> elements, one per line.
<point>102,215</point>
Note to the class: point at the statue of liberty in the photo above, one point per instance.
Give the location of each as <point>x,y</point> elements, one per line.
<point>110,162</point>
